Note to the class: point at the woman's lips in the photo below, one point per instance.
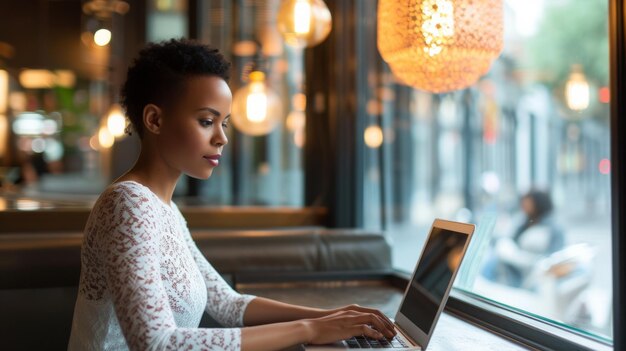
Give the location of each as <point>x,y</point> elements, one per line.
<point>214,160</point>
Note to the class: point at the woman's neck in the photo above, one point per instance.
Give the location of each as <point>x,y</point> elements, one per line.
<point>152,171</point>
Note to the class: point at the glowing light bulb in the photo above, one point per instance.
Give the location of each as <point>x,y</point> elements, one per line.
<point>304,23</point>
<point>577,90</point>
<point>102,37</point>
<point>256,108</point>
<point>105,138</point>
<point>373,136</point>
<point>116,122</point>
<point>256,103</point>
<point>302,17</point>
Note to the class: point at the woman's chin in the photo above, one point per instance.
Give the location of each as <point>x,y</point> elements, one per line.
<point>203,175</point>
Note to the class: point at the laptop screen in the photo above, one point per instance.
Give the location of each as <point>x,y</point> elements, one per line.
<point>440,260</point>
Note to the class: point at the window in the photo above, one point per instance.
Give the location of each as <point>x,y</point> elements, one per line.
<point>261,170</point>
<point>515,153</point>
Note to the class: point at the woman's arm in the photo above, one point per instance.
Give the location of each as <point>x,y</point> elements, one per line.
<point>330,328</point>
<point>265,311</point>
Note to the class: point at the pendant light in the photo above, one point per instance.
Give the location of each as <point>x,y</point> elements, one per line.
<point>304,23</point>
<point>440,45</point>
<point>256,107</point>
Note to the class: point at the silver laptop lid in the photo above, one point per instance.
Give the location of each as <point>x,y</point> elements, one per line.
<point>429,287</point>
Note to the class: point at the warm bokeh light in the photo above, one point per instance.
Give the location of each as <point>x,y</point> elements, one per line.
<point>296,120</point>
<point>4,90</point>
<point>577,90</point>
<point>4,134</point>
<point>302,16</point>
<point>93,143</point>
<point>299,101</point>
<point>116,122</point>
<point>245,48</point>
<point>65,78</point>
<point>105,138</point>
<point>37,78</point>
<point>299,138</point>
<point>102,37</point>
<point>304,23</point>
<point>17,101</point>
<point>256,108</point>
<point>373,136</point>
<point>256,103</point>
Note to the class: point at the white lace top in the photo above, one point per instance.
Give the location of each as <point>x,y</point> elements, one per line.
<point>144,284</point>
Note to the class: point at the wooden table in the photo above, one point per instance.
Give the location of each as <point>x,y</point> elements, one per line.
<point>451,333</point>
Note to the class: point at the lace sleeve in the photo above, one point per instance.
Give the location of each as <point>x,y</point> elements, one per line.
<point>132,270</point>
<point>224,304</point>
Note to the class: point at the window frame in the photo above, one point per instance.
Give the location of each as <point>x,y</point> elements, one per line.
<point>617,57</point>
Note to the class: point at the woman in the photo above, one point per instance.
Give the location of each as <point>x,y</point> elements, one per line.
<point>536,236</point>
<point>144,283</point>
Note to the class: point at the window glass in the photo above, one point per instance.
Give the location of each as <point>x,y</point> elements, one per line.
<point>518,155</point>
<point>263,169</point>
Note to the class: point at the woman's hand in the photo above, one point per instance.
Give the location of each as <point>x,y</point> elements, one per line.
<point>361,309</point>
<point>347,322</point>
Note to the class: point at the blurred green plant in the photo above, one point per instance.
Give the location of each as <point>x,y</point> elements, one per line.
<point>571,32</point>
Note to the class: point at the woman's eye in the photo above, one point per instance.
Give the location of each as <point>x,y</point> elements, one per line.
<point>206,122</point>
<point>225,125</point>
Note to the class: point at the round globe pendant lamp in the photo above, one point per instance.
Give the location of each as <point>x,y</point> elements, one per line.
<point>256,108</point>
<point>304,23</point>
<point>440,45</point>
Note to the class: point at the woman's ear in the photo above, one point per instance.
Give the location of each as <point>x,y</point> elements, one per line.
<point>152,118</point>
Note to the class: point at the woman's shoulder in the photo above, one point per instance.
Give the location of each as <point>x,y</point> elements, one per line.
<point>126,194</point>
<point>123,204</point>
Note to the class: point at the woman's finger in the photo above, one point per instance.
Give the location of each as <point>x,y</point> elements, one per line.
<point>366,330</point>
<point>388,331</point>
<point>377,312</point>
<point>375,321</point>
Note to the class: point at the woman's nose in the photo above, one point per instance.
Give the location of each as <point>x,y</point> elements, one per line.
<point>219,137</point>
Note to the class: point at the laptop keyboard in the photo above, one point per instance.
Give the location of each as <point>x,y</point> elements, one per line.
<point>363,342</point>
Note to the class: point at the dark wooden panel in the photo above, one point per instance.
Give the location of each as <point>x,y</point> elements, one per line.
<point>253,217</point>
<point>57,220</point>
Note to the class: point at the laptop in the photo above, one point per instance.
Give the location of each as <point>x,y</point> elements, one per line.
<point>426,294</point>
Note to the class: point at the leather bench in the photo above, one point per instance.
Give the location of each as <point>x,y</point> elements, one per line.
<point>36,260</point>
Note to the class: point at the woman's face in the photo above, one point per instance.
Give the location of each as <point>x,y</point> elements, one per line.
<point>193,132</point>
<point>528,206</point>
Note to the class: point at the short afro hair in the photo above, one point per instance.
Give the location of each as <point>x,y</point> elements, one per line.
<point>157,75</point>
